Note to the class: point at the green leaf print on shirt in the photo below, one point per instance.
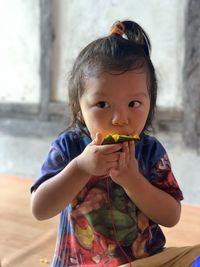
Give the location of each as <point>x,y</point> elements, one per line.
<point>116,220</point>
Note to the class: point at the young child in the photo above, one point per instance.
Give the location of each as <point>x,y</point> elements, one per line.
<point>111,198</point>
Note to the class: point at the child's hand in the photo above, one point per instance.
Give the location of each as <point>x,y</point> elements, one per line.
<point>127,164</point>
<point>98,160</point>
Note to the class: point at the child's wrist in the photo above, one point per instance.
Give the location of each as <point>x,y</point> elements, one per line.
<point>80,166</point>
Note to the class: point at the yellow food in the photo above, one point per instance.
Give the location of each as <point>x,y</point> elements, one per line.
<point>117,138</point>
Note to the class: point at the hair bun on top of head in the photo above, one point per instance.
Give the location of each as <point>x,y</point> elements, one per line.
<point>132,31</point>
<point>117,28</point>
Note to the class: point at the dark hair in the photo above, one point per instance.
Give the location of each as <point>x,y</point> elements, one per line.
<point>115,54</point>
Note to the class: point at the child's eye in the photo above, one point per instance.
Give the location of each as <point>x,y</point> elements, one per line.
<point>134,104</point>
<point>102,104</point>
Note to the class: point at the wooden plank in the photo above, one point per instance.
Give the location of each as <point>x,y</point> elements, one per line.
<point>23,240</point>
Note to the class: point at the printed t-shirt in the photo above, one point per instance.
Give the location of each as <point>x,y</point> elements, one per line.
<point>102,226</point>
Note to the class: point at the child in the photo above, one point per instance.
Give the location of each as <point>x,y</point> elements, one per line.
<point>111,198</point>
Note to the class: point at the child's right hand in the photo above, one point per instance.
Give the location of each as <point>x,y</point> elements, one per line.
<point>98,160</point>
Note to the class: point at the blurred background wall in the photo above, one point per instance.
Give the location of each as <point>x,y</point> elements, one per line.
<point>19,51</point>
<point>75,24</point>
<point>78,23</point>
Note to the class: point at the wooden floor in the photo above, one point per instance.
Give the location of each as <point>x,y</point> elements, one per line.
<point>26,242</point>
<point>23,240</point>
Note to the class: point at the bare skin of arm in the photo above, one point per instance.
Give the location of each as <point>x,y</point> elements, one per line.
<point>156,204</point>
<point>53,195</point>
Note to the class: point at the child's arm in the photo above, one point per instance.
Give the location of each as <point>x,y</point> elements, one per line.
<point>53,195</point>
<point>158,205</point>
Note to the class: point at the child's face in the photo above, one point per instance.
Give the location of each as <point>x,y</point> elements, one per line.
<point>116,103</point>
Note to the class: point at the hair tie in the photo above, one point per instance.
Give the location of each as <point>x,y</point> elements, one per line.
<point>118,28</point>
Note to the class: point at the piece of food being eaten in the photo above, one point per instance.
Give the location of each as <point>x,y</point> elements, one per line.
<point>119,138</point>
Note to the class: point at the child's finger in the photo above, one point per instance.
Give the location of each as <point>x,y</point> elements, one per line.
<point>98,139</point>
<point>132,149</point>
<point>113,172</point>
<point>122,160</point>
<point>112,157</point>
<point>108,149</point>
<point>125,149</point>
<point>111,166</point>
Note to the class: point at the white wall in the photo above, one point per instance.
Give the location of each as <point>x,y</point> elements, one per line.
<point>76,23</point>
<point>19,51</point>
<point>79,22</point>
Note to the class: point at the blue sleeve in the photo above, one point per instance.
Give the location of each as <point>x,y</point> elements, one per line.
<point>156,167</point>
<point>62,151</point>
<point>53,164</point>
<point>161,176</point>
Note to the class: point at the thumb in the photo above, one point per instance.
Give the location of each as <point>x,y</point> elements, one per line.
<point>98,139</point>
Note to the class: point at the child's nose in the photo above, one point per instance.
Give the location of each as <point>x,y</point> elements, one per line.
<point>120,118</point>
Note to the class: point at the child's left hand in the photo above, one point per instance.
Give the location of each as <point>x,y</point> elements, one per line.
<point>127,165</point>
